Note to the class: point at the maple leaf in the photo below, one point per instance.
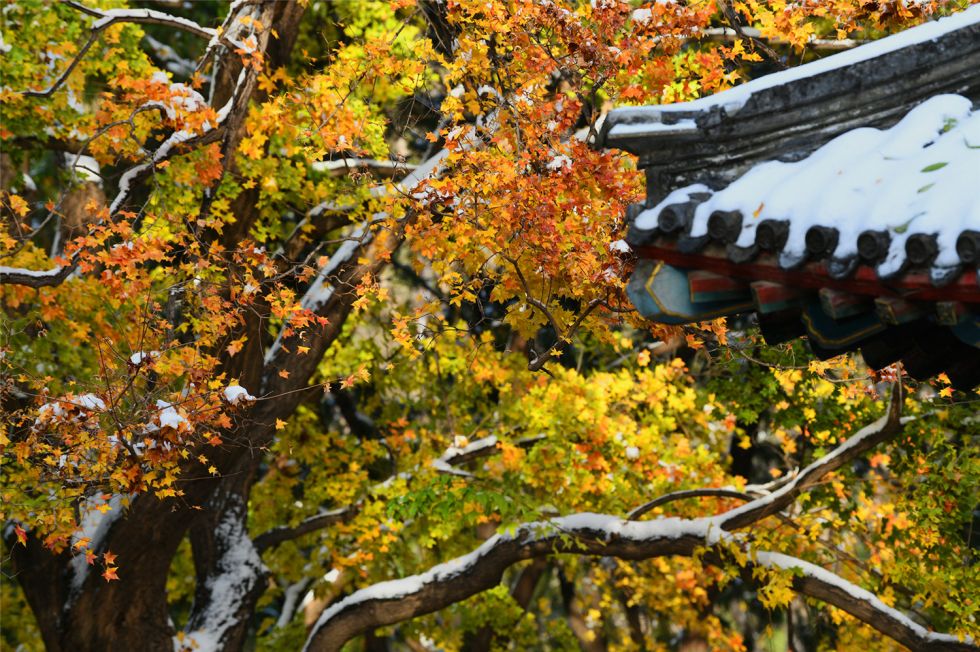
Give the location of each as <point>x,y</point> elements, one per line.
<point>21,535</point>
<point>18,205</point>
<point>108,558</point>
<point>234,347</point>
<point>82,543</point>
<point>110,574</point>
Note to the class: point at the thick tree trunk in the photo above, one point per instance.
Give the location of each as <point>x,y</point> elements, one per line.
<point>78,610</point>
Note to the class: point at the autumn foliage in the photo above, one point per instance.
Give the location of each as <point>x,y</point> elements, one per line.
<point>303,296</point>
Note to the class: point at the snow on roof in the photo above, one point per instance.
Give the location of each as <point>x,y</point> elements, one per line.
<point>914,182</point>
<point>627,120</point>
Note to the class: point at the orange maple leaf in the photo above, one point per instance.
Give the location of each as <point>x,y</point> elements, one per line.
<point>21,535</point>
<point>110,574</point>
<point>109,558</point>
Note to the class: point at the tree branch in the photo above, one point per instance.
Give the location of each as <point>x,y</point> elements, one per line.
<point>595,535</point>
<point>864,440</point>
<point>281,534</point>
<point>110,17</point>
<point>637,513</point>
<point>35,279</point>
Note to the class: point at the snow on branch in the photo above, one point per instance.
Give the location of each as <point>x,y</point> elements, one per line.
<point>108,17</point>
<point>817,582</point>
<point>169,147</point>
<point>599,534</point>
<point>229,588</point>
<point>456,455</point>
<point>277,535</point>
<point>391,602</point>
<point>863,440</point>
<point>34,279</point>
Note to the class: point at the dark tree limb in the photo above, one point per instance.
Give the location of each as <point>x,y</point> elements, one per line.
<point>111,17</point>
<point>594,535</point>
<point>278,535</point>
<point>33,279</point>
<point>637,513</point>
<point>601,535</point>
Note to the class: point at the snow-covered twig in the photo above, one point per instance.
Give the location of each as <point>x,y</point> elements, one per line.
<point>169,148</point>
<point>108,17</point>
<point>863,440</point>
<point>283,533</point>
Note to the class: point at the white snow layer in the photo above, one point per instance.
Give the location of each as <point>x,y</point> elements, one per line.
<point>97,516</point>
<point>647,220</point>
<point>234,394</point>
<point>86,167</point>
<point>169,417</point>
<point>5,271</point>
<point>620,246</point>
<point>111,15</point>
<point>777,560</point>
<point>735,98</point>
<point>919,176</point>
<point>140,357</point>
<point>663,528</point>
<point>237,571</point>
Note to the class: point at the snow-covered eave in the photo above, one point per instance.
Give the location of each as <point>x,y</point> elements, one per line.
<point>631,127</point>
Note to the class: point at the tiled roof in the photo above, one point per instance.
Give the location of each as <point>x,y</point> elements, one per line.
<point>899,199</point>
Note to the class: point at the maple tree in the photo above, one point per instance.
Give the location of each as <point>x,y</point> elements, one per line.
<point>303,297</point>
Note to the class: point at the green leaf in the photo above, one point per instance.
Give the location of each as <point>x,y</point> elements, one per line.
<point>926,187</point>
<point>935,166</point>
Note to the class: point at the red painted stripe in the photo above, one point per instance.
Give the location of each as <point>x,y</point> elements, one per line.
<point>914,287</point>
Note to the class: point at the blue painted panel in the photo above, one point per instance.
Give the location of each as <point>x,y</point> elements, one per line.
<point>662,293</point>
